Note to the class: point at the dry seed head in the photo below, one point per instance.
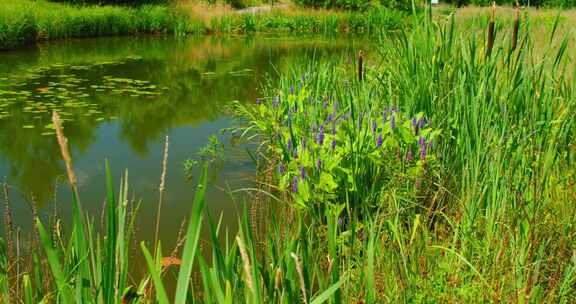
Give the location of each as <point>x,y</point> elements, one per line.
<point>247,267</point>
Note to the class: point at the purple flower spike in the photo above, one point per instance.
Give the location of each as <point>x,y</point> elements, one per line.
<point>421,141</point>
<point>333,144</point>
<point>421,123</point>
<point>302,173</point>
<point>384,116</point>
<point>333,127</point>
<point>414,123</point>
<point>294,184</point>
<point>289,145</point>
<point>423,152</point>
<point>392,122</point>
<point>430,144</point>
<point>258,101</point>
<point>292,90</point>
<point>379,141</point>
<point>409,156</point>
<point>318,164</point>
<point>374,126</point>
<point>281,169</point>
<point>335,107</point>
<point>321,135</point>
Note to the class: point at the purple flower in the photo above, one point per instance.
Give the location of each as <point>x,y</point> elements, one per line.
<point>324,104</point>
<point>302,173</point>
<point>421,141</point>
<point>384,114</point>
<point>258,101</point>
<point>333,144</point>
<point>430,144</point>
<point>423,152</point>
<point>421,123</point>
<point>294,184</point>
<point>289,145</point>
<point>333,127</point>
<point>318,164</point>
<point>292,90</point>
<point>321,135</point>
<point>409,156</point>
<point>374,126</point>
<point>331,117</point>
<point>379,141</point>
<point>281,169</point>
<point>414,121</point>
<point>335,107</point>
<point>392,122</point>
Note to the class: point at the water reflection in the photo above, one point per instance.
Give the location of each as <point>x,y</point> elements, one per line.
<point>120,97</point>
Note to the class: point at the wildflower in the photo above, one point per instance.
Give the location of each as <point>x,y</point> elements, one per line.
<point>321,135</point>
<point>292,90</point>
<point>409,156</point>
<point>374,126</point>
<point>333,144</point>
<point>423,152</point>
<point>333,127</point>
<point>258,101</point>
<point>294,184</point>
<point>379,141</point>
<point>281,168</point>
<point>430,144</point>
<point>302,173</point>
<point>421,141</point>
<point>384,114</point>
<point>335,107</point>
<point>324,104</point>
<point>414,123</point>
<point>421,123</point>
<point>392,122</point>
<point>318,164</point>
<point>289,145</point>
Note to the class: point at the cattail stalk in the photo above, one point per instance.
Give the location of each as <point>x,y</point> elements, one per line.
<point>491,31</point>
<point>360,67</point>
<point>63,143</point>
<point>301,277</point>
<point>161,190</point>
<point>247,267</point>
<point>516,26</point>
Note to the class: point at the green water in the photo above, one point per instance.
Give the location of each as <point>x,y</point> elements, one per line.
<point>119,98</point>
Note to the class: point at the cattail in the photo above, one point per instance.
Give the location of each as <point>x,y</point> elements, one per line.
<point>491,31</point>
<point>360,62</point>
<point>161,190</point>
<point>63,143</point>
<point>247,267</point>
<point>516,26</point>
<point>278,279</point>
<point>301,277</point>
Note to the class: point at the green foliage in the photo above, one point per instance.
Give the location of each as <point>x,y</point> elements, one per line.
<point>335,144</point>
<point>534,3</point>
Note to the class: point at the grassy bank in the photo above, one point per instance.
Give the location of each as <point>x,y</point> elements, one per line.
<point>23,22</point>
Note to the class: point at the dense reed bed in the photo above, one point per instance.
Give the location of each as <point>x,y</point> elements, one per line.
<point>23,22</point>
<point>443,174</point>
<point>458,151</point>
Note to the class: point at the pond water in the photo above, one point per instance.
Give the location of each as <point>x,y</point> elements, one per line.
<point>119,98</point>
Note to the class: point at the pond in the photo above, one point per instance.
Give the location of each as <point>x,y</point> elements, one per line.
<point>119,98</point>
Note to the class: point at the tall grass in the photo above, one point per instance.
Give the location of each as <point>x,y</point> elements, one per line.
<point>494,221</point>
<point>22,22</point>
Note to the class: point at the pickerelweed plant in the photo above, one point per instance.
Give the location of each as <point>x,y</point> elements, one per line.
<point>352,149</point>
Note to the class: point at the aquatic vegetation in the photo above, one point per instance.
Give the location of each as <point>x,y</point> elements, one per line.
<point>330,146</point>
